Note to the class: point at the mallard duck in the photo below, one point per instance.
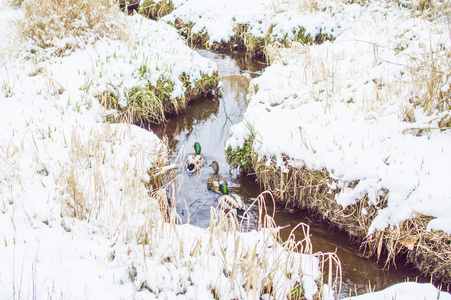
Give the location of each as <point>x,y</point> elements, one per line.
<point>215,179</point>
<point>195,162</point>
<point>230,202</point>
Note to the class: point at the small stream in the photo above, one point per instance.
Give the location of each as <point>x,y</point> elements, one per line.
<point>208,122</point>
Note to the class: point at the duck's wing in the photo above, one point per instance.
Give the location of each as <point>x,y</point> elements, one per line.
<point>226,202</point>
<point>191,159</point>
<point>239,204</point>
<point>221,180</point>
<point>231,201</point>
<point>215,180</point>
<point>200,160</point>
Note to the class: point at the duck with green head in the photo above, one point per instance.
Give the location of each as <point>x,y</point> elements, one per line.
<point>230,202</point>
<point>196,161</point>
<point>215,179</point>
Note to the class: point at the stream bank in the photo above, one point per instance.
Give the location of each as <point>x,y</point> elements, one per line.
<point>208,121</point>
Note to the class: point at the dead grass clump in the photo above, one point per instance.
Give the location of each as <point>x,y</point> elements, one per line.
<point>15,3</point>
<point>432,9</point>
<point>129,6</point>
<point>255,267</point>
<point>427,250</point>
<point>315,191</point>
<point>253,45</point>
<point>68,24</point>
<point>199,39</point>
<point>152,104</point>
<point>432,81</point>
<point>311,190</point>
<point>156,10</point>
<point>144,104</point>
<point>96,184</point>
<point>204,87</point>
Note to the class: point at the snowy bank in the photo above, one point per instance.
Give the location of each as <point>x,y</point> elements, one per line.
<point>371,112</point>
<point>252,24</point>
<point>139,69</point>
<point>158,77</point>
<point>406,291</point>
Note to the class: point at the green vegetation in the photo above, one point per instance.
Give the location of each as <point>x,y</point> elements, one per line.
<point>154,103</point>
<point>302,37</point>
<point>241,157</point>
<point>156,10</point>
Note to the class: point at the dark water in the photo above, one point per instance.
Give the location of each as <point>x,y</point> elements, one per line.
<point>208,121</point>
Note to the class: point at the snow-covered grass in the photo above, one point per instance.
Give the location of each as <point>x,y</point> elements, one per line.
<point>66,25</point>
<point>155,9</point>
<point>254,23</point>
<point>83,206</point>
<point>372,109</point>
<point>144,85</point>
<point>138,85</point>
<point>406,291</point>
<point>346,111</point>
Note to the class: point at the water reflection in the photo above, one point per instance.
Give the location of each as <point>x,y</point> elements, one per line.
<point>208,121</point>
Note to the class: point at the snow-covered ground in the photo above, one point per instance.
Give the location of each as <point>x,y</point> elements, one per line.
<point>76,219</point>
<point>278,19</point>
<point>342,106</point>
<point>406,291</point>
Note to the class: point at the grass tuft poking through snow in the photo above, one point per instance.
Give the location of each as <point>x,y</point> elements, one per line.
<point>64,25</point>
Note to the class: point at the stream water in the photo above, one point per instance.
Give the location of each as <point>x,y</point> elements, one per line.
<point>208,121</point>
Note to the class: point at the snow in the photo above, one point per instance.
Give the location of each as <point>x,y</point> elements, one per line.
<point>406,291</point>
<point>340,105</point>
<point>76,217</point>
<point>279,19</point>
<point>77,220</point>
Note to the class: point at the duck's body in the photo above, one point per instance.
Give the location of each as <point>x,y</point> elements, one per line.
<point>215,179</point>
<point>196,161</point>
<point>230,202</point>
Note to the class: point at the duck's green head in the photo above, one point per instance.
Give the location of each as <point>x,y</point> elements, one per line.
<point>197,148</point>
<point>223,188</point>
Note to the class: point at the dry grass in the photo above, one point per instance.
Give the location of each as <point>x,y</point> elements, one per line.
<point>15,3</point>
<point>194,39</point>
<point>152,104</point>
<point>431,80</point>
<point>68,24</point>
<point>311,190</point>
<point>145,104</point>
<point>432,9</point>
<point>243,39</point>
<point>89,183</point>
<point>279,6</point>
<point>122,209</point>
<point>427,250</point>
<point>155,11</point>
